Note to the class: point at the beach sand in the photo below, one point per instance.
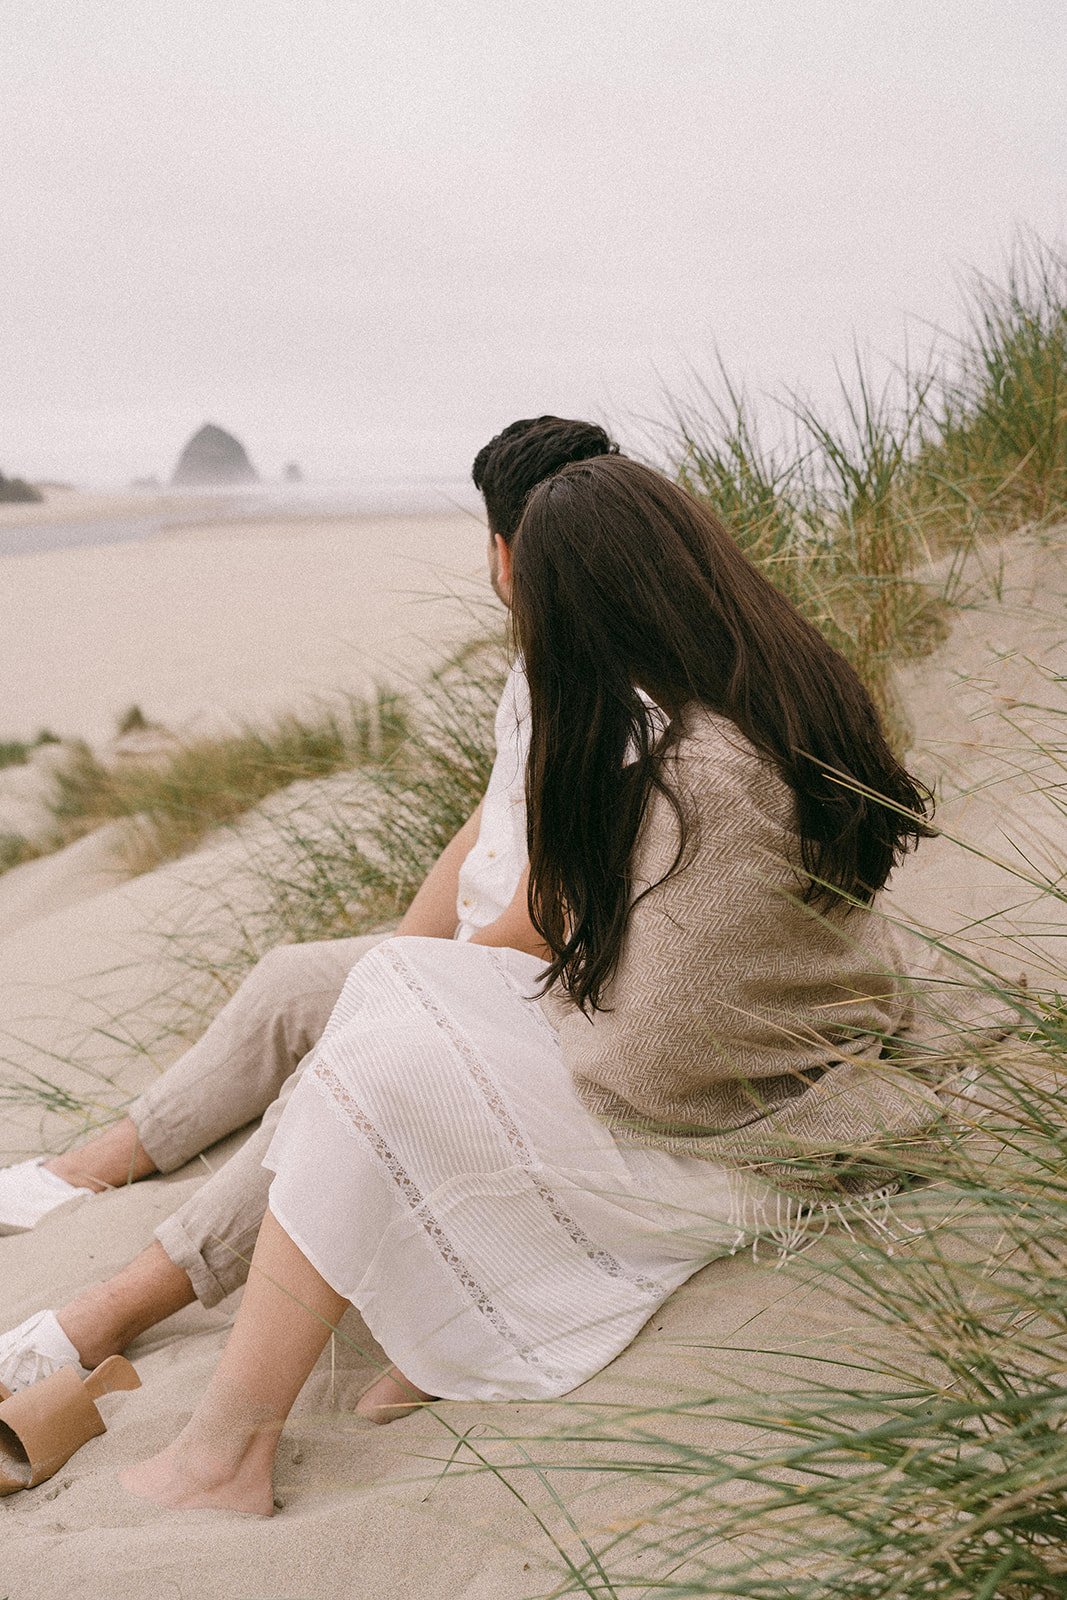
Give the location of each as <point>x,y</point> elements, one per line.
<point>423,1507</point>
<point>221,619</point>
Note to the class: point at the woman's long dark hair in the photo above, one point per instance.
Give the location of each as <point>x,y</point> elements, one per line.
<point>620,579</point>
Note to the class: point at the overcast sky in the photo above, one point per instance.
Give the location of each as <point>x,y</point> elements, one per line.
<point>366,236</point>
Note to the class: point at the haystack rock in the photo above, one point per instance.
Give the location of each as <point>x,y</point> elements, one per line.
<point>214,456</point>
<point>293,473</point>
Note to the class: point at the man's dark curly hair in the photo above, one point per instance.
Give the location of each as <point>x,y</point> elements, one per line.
<point>508,469</point>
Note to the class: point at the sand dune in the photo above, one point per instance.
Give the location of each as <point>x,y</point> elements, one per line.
<point>375,1512</point>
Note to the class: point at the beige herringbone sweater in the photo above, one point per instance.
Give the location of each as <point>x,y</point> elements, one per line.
<point>742,1025</point>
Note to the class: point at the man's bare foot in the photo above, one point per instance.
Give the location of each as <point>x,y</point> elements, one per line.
<point>391,1396</point>
<point>186,1480</point>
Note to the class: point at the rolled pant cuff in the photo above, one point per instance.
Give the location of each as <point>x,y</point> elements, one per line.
<point>162,1148</point>
<point>179,1246</point>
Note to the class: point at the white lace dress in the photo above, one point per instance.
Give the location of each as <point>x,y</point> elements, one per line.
<point>437,1168</point>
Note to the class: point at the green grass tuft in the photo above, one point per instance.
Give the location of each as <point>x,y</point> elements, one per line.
<point>132,720</point>
<point>846,513</point>
<point>997,437</point>
<point>172,800</point>
<point>349,862</point>
<point>16,752</point>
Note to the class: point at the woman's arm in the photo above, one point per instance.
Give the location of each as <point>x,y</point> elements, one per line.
<point>513,927</point>
<point>432,913</point>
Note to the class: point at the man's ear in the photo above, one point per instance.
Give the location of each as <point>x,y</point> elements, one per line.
<point>503,551</point>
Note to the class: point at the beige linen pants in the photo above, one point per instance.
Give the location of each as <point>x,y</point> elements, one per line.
<point>244,1067</point>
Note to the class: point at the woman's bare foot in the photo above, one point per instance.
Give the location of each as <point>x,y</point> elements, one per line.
<point>391,1396</point>
<point>224,1456</point>
<point>184,1480</point>
<point>223,1459</point>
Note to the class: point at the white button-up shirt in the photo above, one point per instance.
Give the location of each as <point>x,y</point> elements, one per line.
<point>491,871</point>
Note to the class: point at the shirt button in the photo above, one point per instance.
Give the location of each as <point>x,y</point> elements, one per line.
<point>466,900</point>
<point>491,854</point>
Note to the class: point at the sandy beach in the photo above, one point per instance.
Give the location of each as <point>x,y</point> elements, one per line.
<point>235,616</point>
<point>85,981</point>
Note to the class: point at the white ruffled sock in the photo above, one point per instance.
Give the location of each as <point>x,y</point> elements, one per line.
<point>34,1350</point>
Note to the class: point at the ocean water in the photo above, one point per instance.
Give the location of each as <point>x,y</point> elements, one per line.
<point>257,502</point>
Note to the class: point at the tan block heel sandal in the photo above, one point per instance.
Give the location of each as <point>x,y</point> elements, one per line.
<point>41,1427</point>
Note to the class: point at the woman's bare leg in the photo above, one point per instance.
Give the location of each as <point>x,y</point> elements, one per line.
<point>224,1456</point>
<point>111,1159</point>
<point>104,1320</point>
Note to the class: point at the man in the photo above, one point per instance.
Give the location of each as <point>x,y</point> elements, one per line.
<point>247,1062</point>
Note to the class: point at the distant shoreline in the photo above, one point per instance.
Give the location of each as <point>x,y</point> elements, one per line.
<point>78,518</point>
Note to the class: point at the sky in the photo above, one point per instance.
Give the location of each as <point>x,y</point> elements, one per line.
<point>364,237</point>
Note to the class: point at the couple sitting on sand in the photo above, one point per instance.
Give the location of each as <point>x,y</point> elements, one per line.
<point>643,1009</point>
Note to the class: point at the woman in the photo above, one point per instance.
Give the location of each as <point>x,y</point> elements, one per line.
<point>507,1159</point>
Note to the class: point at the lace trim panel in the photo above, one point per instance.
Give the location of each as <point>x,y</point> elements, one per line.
<point>351,1113</point>
<point>596,1254</point>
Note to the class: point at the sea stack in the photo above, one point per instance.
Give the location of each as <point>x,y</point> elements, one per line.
<point>213,456</point>
<point>18,489</point>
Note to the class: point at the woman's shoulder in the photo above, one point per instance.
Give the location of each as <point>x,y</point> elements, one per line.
<point>717,765</point>
<point>703,738</point>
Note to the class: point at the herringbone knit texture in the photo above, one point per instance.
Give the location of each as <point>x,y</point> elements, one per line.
<point>744,1026</point>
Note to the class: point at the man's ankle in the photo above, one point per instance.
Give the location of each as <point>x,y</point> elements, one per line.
<point>67,1168</point>
<point>91,1350</point>
<point>103,1320</point>
<point>110,1160</point>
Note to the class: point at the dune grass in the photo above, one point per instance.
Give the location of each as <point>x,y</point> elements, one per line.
<point>16,752</point>
<point>996,441</point>
<point>349,861</point>
<point>343,855</point>
<point>847,509</point>
<point>171,799</point>
<point>17,848</point>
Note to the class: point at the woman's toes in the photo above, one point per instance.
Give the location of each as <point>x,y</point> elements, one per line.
<point>391,1396</point>
<point>153,1480</point>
